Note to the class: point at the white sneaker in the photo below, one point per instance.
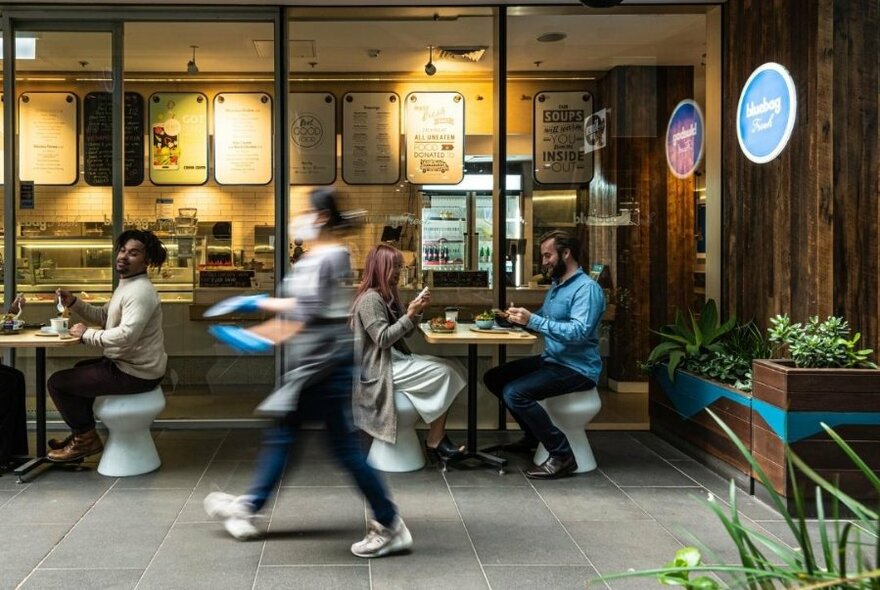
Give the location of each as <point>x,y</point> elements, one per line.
<point>381,540</point>
<point>236,512</point>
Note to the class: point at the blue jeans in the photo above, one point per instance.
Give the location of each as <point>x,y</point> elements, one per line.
<point>522,383</point>
<point>330,402</point>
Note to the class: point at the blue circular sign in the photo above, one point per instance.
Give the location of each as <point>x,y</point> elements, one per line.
<point>685,138</point>
<point>766,112</point>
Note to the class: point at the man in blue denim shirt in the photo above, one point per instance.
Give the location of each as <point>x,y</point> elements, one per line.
<point>569,321</point>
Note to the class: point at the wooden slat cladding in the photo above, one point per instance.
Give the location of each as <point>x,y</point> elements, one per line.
<point>801,231</point>
<point>856,139</point>
<point>655,260</point>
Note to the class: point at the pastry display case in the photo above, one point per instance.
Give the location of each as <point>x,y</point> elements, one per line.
<point>82,262</point>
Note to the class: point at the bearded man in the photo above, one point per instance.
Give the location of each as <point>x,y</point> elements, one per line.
<point>569,321</point>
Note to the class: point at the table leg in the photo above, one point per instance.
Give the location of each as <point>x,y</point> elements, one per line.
<point>40,458</point>
<point>472,452</point>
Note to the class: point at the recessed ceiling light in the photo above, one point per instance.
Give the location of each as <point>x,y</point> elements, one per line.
<point>552,37</point>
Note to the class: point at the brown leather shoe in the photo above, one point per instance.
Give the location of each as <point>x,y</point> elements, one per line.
<point>82,445</point>
<point>56,444</point>
<point>553,468</point>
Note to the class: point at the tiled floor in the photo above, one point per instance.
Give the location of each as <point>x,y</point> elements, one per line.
<point>472,527</point>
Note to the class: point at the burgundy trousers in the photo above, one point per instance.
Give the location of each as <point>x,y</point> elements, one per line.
<point>74,390</point>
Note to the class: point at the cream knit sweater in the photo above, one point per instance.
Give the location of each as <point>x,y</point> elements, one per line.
<point>132,334</point>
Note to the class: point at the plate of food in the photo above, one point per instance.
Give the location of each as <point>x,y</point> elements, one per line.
<point>442,325</point>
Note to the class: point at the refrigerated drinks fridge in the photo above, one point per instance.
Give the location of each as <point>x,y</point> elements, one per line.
<point>457,228</point>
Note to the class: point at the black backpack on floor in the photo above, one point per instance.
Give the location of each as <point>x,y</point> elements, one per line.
<point>13,417</point>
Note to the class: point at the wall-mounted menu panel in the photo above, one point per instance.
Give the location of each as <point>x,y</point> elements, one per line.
<point>312,137</point>
<point>178,138</point>
<point>371,138</point>
<point>48,146</point>
<point>98,138</point>
<point>243,138</point>
<point>558,148</point>
<point>435,137</point>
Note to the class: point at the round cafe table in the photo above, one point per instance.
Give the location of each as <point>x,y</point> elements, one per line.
<point>39,341</point>
<point>468,334</point>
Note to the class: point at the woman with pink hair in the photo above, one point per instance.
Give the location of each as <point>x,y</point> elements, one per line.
<point>380,325</point>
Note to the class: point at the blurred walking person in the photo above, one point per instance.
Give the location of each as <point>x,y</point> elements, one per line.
<point>314,315</point>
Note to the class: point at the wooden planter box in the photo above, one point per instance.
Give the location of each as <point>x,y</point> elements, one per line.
<point>678,409</point>
<point>787,406</point>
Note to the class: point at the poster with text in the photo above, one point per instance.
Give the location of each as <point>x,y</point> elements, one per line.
<point>312,137</point>
<point>48,145</point>
<point>559,151</point>
<point>434,137</point>
<point>243,138</point>
<point>98,138</point>
<point>178,138</point>
<point>371,138</point>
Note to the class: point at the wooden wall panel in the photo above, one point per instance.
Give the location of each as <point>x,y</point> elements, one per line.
<point>655,260</point>
<point>800,232</point>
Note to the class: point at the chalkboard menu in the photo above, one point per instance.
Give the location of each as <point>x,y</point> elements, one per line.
<point>98,138</point>
<point>225,278</point>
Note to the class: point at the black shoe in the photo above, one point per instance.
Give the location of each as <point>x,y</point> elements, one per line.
<point>524,445</point>
<point>553,468</point>
<point>445,451</point>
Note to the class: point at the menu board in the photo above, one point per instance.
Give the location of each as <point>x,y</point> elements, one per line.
<point>435,137</point>
<point>178,138</point>
<point>558,148</point>
<point>98,138</point>
<point>48,147</point>
<point>371,138</point>
<point>312,137</point>
<point>243,138</point>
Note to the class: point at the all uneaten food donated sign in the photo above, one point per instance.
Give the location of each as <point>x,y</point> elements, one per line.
<point>435,137</point>
<point>685,135</point>
<point>765,115</point>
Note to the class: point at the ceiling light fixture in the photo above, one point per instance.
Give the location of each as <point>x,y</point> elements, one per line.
<point>551,37</point>
<point>191,67</point>
<point>430,68</point>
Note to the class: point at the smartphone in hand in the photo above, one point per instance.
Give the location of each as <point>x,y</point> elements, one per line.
<point>423,292</point>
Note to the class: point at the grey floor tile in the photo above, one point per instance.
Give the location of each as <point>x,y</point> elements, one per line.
<point>426,497</point>
<point>6,496</point>
<point>617,547</point>
<point>12,577</point>
<point>94,579</point>
<point>504,522</point>
<point>240,445</point>
<point>202,556</point>
<point>661,447</point>
<point>351,577</point>
<point>685,514</point>
<point>103,538</point>
<point>9,483</point>
<point>49,505</point>
<point>781,531</point>
<point>315,526</point>
<point>183,462</point>
<point>502,577</point>
<point>423,566</point>
<point>628,462</point>
<point>751,506</point>
<point>586,497</point>
<point>25,545</point>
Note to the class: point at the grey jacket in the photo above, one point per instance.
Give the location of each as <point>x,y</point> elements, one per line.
<point>376,333</point>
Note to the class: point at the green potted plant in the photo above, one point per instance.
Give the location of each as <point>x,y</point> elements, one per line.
<point>825,378</point>
<point>704,363</point>
<point>828,553</point>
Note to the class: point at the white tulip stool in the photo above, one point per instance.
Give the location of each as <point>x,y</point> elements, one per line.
<point>406,452</point>
<point>129,449</point>
<point>570,413</point>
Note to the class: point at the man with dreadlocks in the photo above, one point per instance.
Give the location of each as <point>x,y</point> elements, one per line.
<point>131,337</point>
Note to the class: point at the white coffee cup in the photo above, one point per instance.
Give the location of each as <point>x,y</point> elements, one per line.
<point>452,313</point>
<point>60,325</point>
